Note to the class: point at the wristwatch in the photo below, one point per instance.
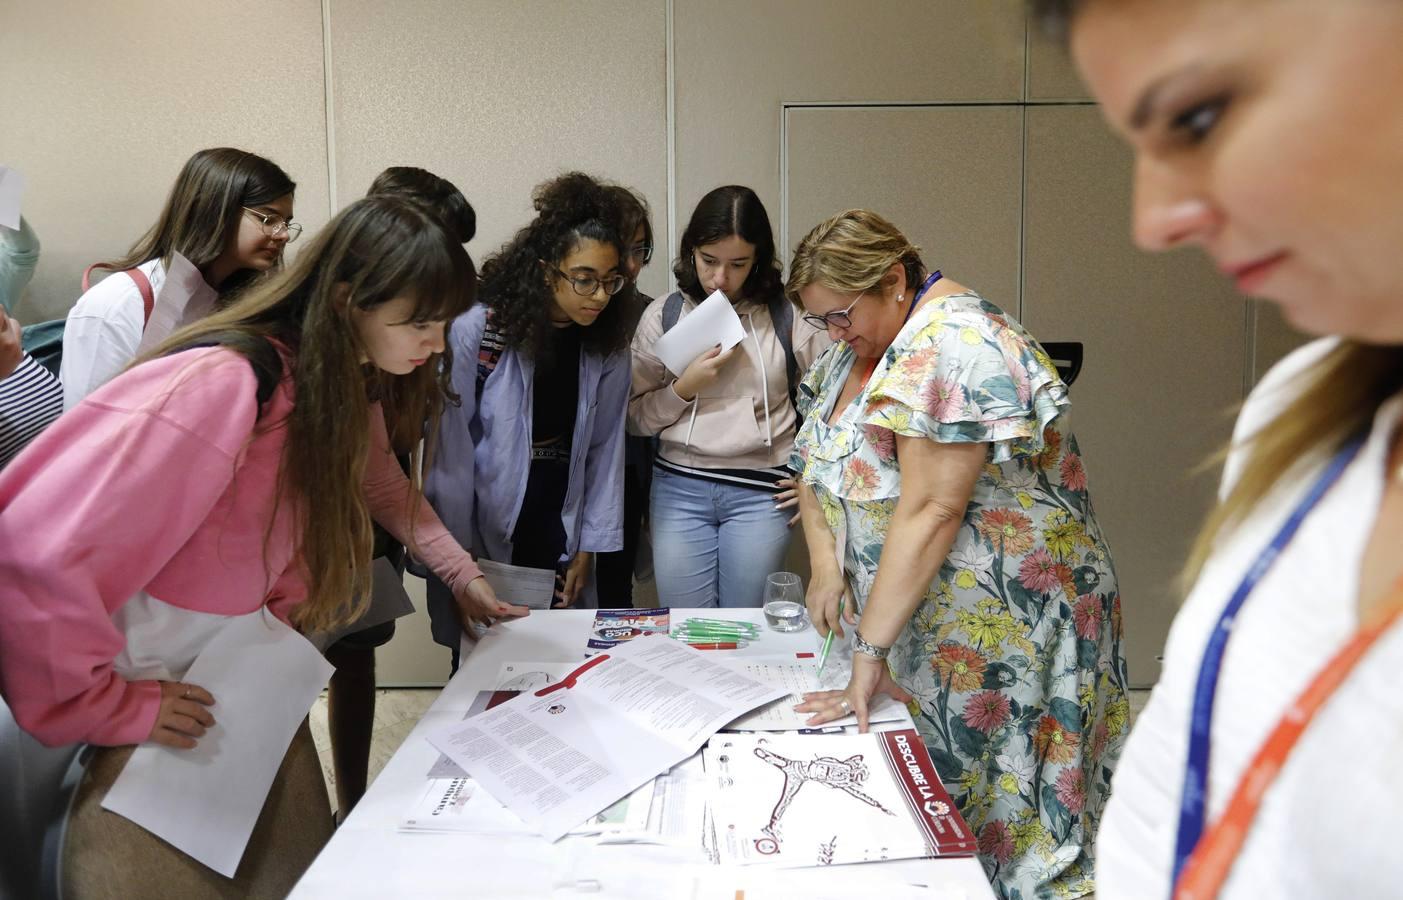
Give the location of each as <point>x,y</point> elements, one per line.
<point>872,650</point>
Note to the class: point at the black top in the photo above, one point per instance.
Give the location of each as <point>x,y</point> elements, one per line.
<point>556,392</point>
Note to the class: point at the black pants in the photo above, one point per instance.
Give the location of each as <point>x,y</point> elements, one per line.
<point>614,571</point>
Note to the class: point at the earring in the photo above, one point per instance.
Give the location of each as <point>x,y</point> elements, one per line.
<point>900,298</point>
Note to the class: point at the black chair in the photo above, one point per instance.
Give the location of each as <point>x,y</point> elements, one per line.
<point>1066,357</point>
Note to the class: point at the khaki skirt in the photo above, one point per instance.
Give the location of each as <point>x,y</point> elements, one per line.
<point>106,856</point>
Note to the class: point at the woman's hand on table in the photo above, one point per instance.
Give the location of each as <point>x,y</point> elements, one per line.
<point>826,587</point>
<point>183,718</point>
<point>572,584</point>
<point>870,677</point>
<point>477,604</point>
<point>787,498</point>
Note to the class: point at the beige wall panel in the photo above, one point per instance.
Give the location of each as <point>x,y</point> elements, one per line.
<point>737,60</point>
<point>499,95</point>
<point>1165,355</point>
<point>1051,74</point>
<point>104,102</point>
<point>1274,338</point>
<point>951,182</point>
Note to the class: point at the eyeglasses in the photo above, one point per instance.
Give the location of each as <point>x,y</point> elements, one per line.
<point>837,319</point>
<point>642,252</point>
<point>276,225</point>
<point>586,285</point>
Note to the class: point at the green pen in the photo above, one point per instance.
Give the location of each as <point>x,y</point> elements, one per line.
<point>828,641</point>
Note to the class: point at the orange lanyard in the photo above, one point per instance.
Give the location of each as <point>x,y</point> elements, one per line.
<point>1212,859</point>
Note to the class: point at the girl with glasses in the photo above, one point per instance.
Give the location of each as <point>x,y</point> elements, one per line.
<point>530,466</point>
<point>236,467</point>
<point>725,425</point>
<point>229,213</point>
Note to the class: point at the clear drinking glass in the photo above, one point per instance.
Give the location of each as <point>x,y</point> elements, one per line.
<point>784,602</point>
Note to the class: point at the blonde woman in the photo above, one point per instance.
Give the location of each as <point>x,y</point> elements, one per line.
<point>1271,136</point>
<point>943,491</point>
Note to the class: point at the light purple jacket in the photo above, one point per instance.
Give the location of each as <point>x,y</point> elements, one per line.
<point>483,457</point>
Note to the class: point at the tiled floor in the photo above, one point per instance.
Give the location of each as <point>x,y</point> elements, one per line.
<point>397,711</point>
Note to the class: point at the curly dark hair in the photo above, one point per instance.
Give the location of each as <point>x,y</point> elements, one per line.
<point>570,209</point>
<point>726,211</point>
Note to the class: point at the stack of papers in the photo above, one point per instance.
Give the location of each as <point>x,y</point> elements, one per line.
<point>559,755</point>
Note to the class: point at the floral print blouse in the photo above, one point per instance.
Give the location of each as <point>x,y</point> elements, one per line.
<point>1014,655</point>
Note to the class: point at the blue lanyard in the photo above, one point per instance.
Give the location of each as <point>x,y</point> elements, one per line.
<point>1195,794</point>
<point>925,286</point>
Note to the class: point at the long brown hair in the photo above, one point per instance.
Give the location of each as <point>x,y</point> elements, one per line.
<point>202,213</point>
<point>376,250</point>
<point>1339,397</point>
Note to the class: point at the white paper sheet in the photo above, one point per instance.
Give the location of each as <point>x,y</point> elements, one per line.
<point>184,297</point>
<point>678,816</point>
<point>530,676</point>
<point>797,678</point>
<point>559,755</point>
<point>521,585</point>
<point>388,601</point>
<point>11,192</point>
<point>459,805</point>
<point>264,677</point>
<point>828,799</point>
<point>713,322</point>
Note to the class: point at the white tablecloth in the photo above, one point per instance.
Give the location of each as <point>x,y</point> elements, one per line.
<point>370,857</point>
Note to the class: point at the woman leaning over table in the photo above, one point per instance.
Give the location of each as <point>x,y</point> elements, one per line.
<point>937,458</point>
<point>1270,135</point>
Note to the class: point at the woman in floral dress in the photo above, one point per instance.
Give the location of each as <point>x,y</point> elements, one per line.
<point>939,464</point>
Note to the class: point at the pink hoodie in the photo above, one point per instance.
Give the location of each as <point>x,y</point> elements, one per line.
<point>159,482</point>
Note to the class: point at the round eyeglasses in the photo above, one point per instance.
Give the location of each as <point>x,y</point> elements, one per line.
<point>642,252</point>
<point>586,285</point>
<point>275,226</point>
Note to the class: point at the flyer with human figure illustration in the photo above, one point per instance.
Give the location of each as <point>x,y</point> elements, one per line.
<point>815,800</point>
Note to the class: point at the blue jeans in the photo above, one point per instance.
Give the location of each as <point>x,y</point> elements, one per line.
<point>714,544</point>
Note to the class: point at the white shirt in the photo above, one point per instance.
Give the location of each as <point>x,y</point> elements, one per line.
<point>1327,821</point>
<point>103,331</point>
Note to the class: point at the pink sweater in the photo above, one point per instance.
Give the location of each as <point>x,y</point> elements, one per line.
<point>158,482</point>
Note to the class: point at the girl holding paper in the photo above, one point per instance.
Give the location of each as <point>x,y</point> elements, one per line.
<point>530,466</point>
<point>229,214</point>
<point>725,423</point>
<point>221,475</point>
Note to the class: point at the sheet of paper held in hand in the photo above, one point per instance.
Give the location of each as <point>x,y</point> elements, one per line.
<point>713,322</point>
<point>520,585</point>
<point>184,297</point>
<point>560,754</point>
<point>264,677</point>
<point>11,192</point>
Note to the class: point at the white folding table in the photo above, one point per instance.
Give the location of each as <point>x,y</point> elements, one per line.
<point>370,857</point>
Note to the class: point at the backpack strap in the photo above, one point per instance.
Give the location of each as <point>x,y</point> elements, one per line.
<point>782,317</point>
<point>143,284</point>
<point>489,353</point>
<point>672,310</point>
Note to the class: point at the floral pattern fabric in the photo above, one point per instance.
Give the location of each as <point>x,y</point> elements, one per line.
<point>1014,655</point>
